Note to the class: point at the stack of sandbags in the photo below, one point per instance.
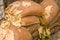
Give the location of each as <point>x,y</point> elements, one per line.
<point>31,14</point>
<point>50,9</point>
<point>26,14</point>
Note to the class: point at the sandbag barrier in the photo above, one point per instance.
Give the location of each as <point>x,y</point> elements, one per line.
<point>33,31</point>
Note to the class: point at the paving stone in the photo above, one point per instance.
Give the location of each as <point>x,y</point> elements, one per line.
<point>1,2</point>
<point>1,9</point>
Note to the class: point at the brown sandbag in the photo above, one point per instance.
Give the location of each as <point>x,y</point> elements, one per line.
<point>21,33</point>
<point>25,8</point>
<point>29,20</point>
<point>51,9</point>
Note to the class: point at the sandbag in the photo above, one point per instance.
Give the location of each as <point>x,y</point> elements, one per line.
<point>25,8</point>
<point>51,9</point>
